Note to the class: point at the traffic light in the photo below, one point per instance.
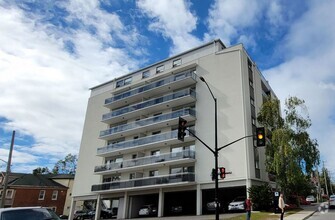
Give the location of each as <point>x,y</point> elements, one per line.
<point>260,137</point>
<point>214,174</point>
<point>222,172</point>
<point>181,129</point>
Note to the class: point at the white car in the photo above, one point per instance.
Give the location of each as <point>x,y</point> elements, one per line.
<point>148,210</point>
<point>237,204</point>
<point>332,201</point>
<point>310,198</point>
<point>36,213</point>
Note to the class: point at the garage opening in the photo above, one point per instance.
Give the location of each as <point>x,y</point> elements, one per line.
<point>180,203</point>
<point>225,196</point>
<point>143,206</point>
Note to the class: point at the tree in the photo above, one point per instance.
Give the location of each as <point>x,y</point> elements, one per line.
<point>41,170</point>
<point>261,196</point>
<point>66,166</point>
<point>291,153</point>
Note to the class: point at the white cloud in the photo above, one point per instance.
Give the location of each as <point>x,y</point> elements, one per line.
<point>174,20</point>
<point>227,18</point>
<point>45,88</point>
<point>308,71</point>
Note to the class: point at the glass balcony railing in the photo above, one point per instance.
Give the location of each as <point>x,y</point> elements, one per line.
<point>139,142</point>
<point>188,154</point>
<point>147,121</point>
<point>149,181</point>
<point>154,85</point>
<point>149,103</point>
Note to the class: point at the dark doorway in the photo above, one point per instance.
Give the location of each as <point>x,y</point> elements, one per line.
<point>180,203</point>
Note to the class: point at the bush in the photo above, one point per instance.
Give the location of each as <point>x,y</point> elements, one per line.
<point>261,197</point>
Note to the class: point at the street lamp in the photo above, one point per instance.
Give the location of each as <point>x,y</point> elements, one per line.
<point>215,152</point>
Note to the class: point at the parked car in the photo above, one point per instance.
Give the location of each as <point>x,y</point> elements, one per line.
<point>210,207</point>
<point>83,214</point>
<point>310,198</point>
<point>148,210</point>
<point>303,201</point>
<point>332,201</point>
<point>176,209</point>
<point>27,213</point>
<point>237,204</point>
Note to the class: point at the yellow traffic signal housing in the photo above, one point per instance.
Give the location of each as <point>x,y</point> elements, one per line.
<point>260,137</point>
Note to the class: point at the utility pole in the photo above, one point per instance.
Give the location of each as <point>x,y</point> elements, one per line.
<point>3,198</point>
<point>325,176</point>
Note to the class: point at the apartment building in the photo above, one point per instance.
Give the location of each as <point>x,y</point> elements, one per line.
<point>130,155</point>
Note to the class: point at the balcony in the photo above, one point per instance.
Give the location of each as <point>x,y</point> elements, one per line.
<point>173,158</point>
<point>152,141</point>
<point>153,105</point>
<point>149,182</point>
<point>166,85</point>
<point>156,122</point>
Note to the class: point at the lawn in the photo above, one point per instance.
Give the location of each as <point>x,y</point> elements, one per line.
<point>263,215</point>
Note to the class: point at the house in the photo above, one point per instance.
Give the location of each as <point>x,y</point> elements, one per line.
<point>130,154</point>
<point>35,190</point>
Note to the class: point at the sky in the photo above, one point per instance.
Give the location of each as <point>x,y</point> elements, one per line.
<point>53,52</point>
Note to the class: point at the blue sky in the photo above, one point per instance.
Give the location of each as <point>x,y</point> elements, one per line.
<point>52,52</point>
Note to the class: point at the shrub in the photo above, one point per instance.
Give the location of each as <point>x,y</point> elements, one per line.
<point>261,197</point>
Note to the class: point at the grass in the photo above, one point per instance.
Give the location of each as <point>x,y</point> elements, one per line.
<point>263,215</point>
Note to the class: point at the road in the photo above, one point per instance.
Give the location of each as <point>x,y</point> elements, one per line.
<point>323,213</point>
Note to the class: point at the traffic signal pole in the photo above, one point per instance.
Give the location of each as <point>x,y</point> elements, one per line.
<point>182,128</point>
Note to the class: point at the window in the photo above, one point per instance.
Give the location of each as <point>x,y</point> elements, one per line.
<point>155,153</point>
<point>251,83</point>
<point>132,176</point>
<point>9,193</point>
<point>179,77</point>
<point>127,81</point>
<point>123,82</point>
<point>177,170</point>
<point>146,74</point>
<point>41,195</point>
<point>153,173</point>
<point>176,62</point>
<point>119,83</point>
<point>54,195</point>
<point>252,101</point>
<point>253,120</point>
<point>159,69</point>
<point>156,132</point>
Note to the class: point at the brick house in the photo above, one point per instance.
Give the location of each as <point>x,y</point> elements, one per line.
<point>34,190</point>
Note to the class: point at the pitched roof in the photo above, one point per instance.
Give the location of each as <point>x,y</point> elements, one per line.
<point>37,180</point>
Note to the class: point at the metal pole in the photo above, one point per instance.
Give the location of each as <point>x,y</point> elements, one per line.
<point>216,152</point>
<point>3,198</point>
<point>216,162</point>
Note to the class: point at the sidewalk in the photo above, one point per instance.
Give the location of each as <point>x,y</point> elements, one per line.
<point>308,211</point>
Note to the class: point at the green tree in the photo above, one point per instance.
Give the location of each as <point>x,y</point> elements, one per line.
<point>41,170</point>
<point>66,166</point>
<point>291,153</point>
<point>261,196</point>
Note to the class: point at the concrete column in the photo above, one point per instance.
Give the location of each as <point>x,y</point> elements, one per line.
<point>72,209</point>
<point>199,200</point>
<point>98,208</point>
<point>125,205</point>
<point>160,203</point>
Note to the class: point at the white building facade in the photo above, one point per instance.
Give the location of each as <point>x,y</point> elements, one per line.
<point>130,154</point>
